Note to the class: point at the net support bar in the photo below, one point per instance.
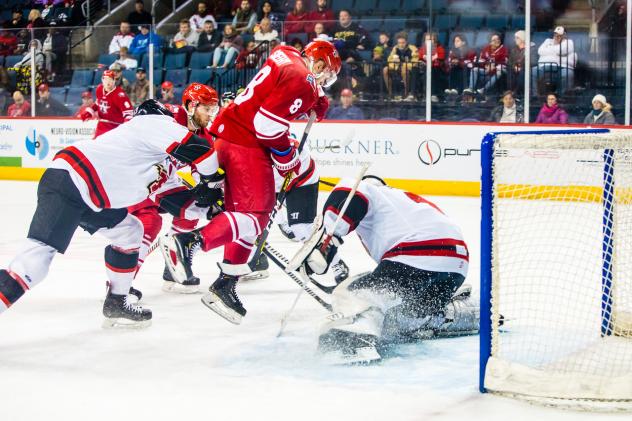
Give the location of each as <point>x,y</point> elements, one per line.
<point>608,240</point>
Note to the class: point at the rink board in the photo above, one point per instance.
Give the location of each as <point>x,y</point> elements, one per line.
<point>425,158</point>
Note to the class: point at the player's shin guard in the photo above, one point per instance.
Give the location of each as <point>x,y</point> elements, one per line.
<point>120,266</point>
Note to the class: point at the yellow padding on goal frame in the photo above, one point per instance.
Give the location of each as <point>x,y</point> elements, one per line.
<point>561,193</point>
<point>427,187</point>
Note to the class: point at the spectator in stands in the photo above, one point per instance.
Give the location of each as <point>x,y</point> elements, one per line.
<point>276,19</point>
<point>220,9</point>
<point>47,106</point>
<point>245,18</point>
<point>186,40</point>
<point>209,38</point>
<point>47,12</point>
<point>23,67</point>
<point>119,80</point>
<point>55,49</point>
<point>35,22</point>
<point>17,20</point>
<point>229,48</point>
<point>123,38</point>
<point>350,37</point>
<point>401,60</point>
<point>249,57</point>
<point>323,15</point>
<point>375,78</point>
<point>296,22</point>
<point>346,110</point>
<point>140,87</point>
<point>20,107</point>
<point>167,95</point>
<point>601,112</point>
<point>508,111</point>
<point>297,43</point>
<point>8,42</point>
<point>125,61</point>
<point>556,57</point>
<point>517,62</point>
<point>460,58</point>
<point>197,20</point>
<point>490,66</point>
<point>140,43</point>
<point>139,16</point>
<point>437,61</point>
<point>265,32</point>
<point>86,102</point>
<point>551,112</point>
<point>5,93</point>
<point>384,39</point>
<point>62,14</point>
<point>319,32</point>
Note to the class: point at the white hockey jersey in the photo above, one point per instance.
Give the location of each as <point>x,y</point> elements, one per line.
<point>127,164</point>
<point>308,172</point>
<point>399,226</point>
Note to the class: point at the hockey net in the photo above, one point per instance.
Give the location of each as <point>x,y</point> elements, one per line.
<point>556,275</point>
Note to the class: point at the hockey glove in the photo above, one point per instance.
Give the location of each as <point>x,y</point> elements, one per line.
<point>208,192</point>
<point>320,107</point>
<point>87,115</point>
<point>286,161</point>
<point>319,259</point>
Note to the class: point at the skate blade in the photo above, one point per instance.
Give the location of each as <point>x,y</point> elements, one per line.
<point>176,288</point>
<point>122,323</point>
<point>213,302</point>
<point>169,253</point>
<point>261,274</point>
<point>361,356</point>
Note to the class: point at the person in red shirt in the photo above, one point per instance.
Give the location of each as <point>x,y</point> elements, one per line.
<point>437,60</point>
<point>296,20</point>
<point>8,42</point>
<point>112,107</point>
<point>167,95</point>
<point>323,15</point>
<point>491,65</point>
<point>20,107</point>
<point>86,102</point>
<point>253,139</point>
<point>460,58</point>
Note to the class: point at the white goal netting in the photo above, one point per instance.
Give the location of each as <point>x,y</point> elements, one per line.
<point>561,266</point>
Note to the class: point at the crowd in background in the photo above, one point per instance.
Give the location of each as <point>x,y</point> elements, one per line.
<point>390,67</point>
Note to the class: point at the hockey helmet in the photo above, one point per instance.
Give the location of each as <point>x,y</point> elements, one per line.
<point>152,107</point>
<point>200,94</point>
<point>321,49</point>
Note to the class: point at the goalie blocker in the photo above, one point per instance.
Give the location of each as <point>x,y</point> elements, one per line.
<point>422,261</point>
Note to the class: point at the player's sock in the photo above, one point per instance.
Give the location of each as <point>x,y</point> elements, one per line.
<point>121,268</point>
<point>11,289</point>
<point>218,232</point>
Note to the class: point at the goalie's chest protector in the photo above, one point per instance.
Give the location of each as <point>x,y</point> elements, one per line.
<point>407,228</point>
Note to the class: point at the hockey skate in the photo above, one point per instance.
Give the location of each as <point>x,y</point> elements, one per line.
<point>340,270</point>
<point>178,251</point>
<point>120,313</point>
<point>260,271</point>
<point>223,300</point>
<point>344,347</point>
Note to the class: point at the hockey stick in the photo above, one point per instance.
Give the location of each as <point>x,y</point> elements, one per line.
<point>327,183</point>
<point>246,268</point>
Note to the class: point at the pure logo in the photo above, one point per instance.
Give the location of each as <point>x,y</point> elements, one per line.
<point>429,152</point>
<point>37,145</point>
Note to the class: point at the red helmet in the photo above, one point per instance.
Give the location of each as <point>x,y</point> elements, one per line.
<point>320,49</point>
<point>199,93</point>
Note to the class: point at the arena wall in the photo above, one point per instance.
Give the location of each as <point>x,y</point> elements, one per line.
<point>425,158</point>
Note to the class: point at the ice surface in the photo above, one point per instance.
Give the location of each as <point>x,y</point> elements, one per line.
<point>56,363</point>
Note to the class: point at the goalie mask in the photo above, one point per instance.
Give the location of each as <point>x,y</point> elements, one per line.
<point>323,61</point>
<point>205,104</point>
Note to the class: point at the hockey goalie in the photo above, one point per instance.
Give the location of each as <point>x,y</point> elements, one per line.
<point>417,288</point>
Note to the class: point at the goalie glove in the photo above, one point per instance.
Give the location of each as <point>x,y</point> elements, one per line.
<point>322,253</point>
<point>208,192</point>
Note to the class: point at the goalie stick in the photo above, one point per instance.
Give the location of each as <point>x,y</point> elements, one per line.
<point>246,268</point>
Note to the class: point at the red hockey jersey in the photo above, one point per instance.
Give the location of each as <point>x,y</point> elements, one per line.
<point>260,116</point>
<point>112,108</point>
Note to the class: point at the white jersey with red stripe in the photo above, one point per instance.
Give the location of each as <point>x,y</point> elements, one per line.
<point>128,164</point>
<point>400,226</point>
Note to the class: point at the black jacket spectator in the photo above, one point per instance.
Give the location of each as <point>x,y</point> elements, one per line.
<point>209,38</point>
<point>349,37</point>
<point>17,20</point>
<point>139,16</point>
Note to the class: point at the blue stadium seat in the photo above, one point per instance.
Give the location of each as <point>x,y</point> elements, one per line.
<point>226,80</point>
<point>471,21</point>
<point>498,22</point>
<point>176,76</point>
<point>371,23</point>
<point>342,4</point>
<point>175,61</point>
<point>366,55</point>
<point>200,60</point>
<point>445,22</point>
<point>201,76</point>
<point>130,75</point>
<point>10,61</point>
<point>97,76</point>
<point>293,35</point>
<point>158,59</point>
<point>482,38</point>
<point>388,6</point>
<point>82,78</point>
<point>444,39</point>
<point>470,36</point>
<point>518,22</point>
<point>177,94</point>
<point>393,25</point>
<point>412,5</point>
<point>73,96</point>
<point>106,59</point>
<point>365,6</point>
<point>13,76</point>
<point>58,93</point>
<point>412,37</point>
